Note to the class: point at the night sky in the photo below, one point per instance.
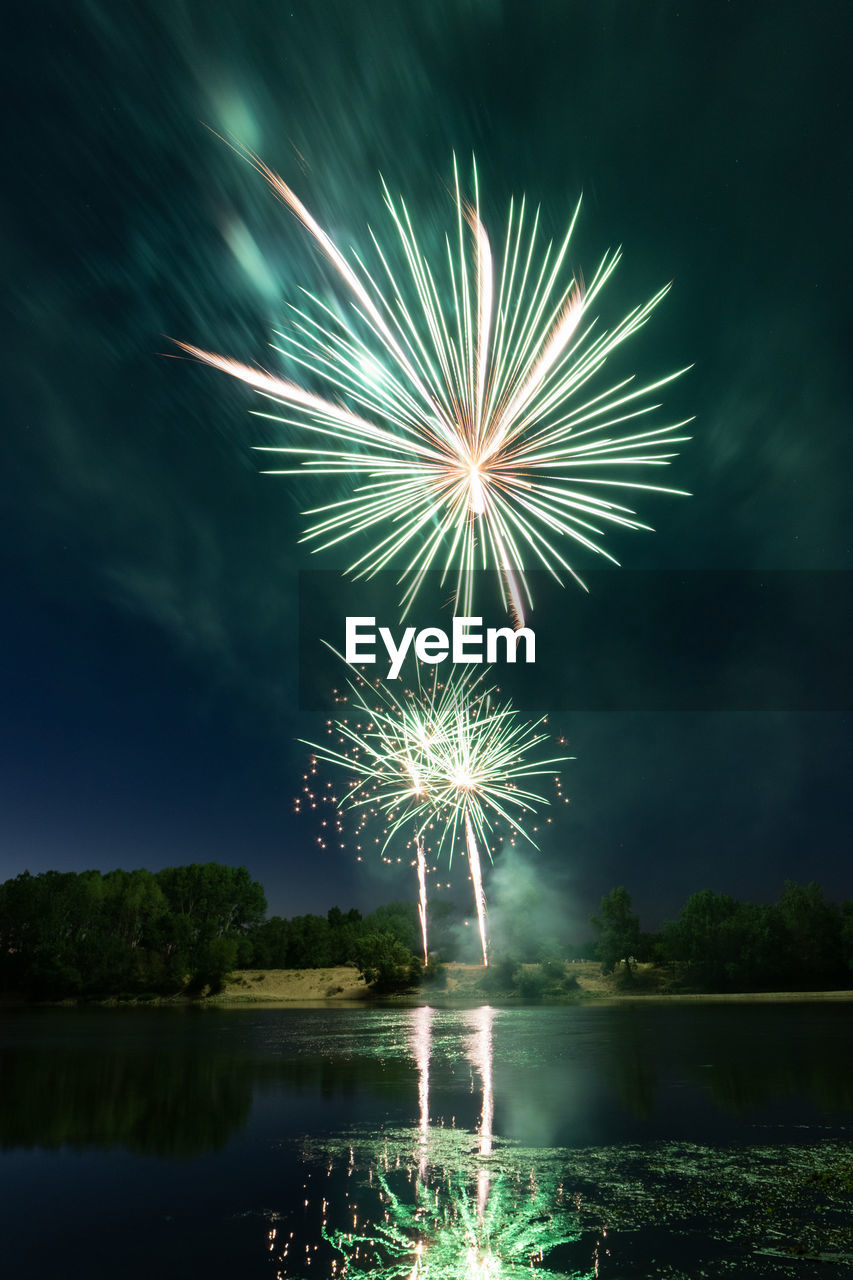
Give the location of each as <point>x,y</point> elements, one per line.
<point>148,641</point>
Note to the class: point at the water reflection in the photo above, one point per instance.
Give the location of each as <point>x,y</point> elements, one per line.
<point>441,1201</point>
<point>413,1144</point>
<point>438,1200</point>
<point>421,1038</point>
<point>739,1088</point>
<point>438,1229</point>
<point>149,1102</point>
<point>740,1059</point>
<point>176,1086</point>
<point>480,1054</point>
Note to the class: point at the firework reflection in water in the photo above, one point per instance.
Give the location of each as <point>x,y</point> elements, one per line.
<point>442,1203</point>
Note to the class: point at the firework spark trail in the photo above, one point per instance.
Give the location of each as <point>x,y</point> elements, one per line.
<point>455,395</point>
<point>477,878</point>
<point>422,894</point>
<point>447,757</point>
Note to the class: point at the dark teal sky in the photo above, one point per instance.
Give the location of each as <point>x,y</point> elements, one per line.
<point>148,633</point>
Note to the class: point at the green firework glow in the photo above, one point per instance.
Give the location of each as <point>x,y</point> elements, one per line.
<point>461,398</point>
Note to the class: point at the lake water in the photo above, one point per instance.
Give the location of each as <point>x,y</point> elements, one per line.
<point>622,1141</point>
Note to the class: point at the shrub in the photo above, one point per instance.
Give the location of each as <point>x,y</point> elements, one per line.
<point>385,963</point>
<point>531,981</point>
<point>435,975</point>
<point>499,978</point>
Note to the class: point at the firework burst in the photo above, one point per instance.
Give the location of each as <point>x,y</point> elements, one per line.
<point>447,759</point>
<point>459,405</point>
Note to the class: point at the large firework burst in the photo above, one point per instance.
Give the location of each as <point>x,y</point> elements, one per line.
<point>446,758</point>
<point>458,404</point>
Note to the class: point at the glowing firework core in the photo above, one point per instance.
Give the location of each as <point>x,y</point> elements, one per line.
<point>476,494</point>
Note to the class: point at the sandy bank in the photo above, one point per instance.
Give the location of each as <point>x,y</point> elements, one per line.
<point>293,986</point>
<point>461,984</point>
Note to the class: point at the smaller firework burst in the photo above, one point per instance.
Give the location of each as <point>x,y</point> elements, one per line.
<point>447,761</point>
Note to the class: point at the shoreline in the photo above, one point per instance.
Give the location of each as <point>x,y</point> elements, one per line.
<point>344,987</point>
<point>441,1000</point>
<point>437,1000</point>
<point>458,987</point>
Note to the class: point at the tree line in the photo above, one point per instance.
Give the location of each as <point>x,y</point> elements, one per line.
<point>130,933</point>
<point>126,933</point>
<point>799,942</point>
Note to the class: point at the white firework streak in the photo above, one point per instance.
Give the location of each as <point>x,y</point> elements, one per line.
<point>477,881</point>
<point>422,895</point>
<point>467,432</point>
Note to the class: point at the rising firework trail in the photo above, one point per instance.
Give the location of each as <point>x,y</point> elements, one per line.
<point>477,880</point>
<point>448,759</point>
<point>460,392</point>
<point>422,894</point>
